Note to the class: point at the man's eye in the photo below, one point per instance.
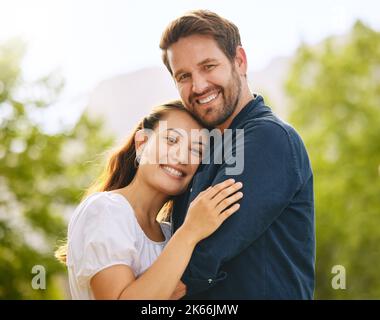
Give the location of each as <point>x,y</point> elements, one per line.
<point>210,66</point>
<point>183,77</point>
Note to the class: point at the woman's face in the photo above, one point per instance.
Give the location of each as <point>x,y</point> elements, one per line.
<point>172,153</point>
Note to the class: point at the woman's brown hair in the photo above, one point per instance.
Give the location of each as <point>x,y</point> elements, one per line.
<point>122,166</point>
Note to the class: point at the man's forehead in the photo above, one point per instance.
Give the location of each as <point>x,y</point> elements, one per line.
<point>193,50</point>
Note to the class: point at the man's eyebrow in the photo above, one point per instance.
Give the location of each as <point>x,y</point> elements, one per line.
<point>205,61</point>
<point>178,73</point>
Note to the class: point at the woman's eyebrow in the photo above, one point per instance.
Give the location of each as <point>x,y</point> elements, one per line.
<point>173,129</point>
<point>198,142</point>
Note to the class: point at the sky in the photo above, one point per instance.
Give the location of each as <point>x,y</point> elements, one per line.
<point>89,41</point>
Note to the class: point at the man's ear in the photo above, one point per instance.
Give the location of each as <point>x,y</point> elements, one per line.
<point>241,61</point>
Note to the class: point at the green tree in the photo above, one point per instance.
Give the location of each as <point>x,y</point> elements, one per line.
<point>42,176</point>
<point>334,89</point>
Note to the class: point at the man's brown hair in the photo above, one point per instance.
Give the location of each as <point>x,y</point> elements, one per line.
<point>202,22</point>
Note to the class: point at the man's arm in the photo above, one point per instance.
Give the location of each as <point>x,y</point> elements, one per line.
<point>270,180</point>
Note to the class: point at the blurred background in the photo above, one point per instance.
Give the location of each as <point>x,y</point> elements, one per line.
<point>76,76</point>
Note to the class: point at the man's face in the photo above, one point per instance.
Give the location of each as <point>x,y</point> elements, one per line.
<point>207,80</point>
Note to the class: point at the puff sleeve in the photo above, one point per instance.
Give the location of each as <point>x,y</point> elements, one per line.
<point>102,234</point>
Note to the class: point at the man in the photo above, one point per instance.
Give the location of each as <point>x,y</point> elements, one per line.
<point>267,249</point>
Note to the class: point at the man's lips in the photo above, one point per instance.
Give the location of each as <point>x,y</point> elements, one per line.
<point>206,98</point>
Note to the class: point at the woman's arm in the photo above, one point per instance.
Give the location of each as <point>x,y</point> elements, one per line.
<point>158,282</point>
<point>179,292</point>
<point>206,213</point>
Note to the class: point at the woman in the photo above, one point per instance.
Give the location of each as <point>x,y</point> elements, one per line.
<point>116,247</point>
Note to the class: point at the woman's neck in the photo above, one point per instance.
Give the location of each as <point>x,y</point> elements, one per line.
<point>145,200</point>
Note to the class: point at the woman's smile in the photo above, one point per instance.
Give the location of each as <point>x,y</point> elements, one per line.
<point>173,172</point>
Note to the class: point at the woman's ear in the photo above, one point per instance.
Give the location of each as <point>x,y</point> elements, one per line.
<point>140,140</point>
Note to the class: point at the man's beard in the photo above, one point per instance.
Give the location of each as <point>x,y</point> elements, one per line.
<point>230,95</point>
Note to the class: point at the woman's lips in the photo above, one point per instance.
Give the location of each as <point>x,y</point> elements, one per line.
<point>172,172</point>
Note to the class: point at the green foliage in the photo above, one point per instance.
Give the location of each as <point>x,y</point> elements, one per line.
<point>42,177</point>
<point>335,104</point>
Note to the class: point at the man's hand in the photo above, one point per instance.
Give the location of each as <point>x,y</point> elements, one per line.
<point>179,291</point>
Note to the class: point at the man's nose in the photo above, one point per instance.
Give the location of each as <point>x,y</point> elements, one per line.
<point>199,84</point>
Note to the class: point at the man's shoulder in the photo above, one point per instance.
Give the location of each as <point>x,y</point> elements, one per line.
<point>267,130</point>
<point>269,124</point>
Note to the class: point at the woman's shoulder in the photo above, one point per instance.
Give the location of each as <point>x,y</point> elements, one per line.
<point>106,199</point>
<point>105,206</point>
<point>102,231</point>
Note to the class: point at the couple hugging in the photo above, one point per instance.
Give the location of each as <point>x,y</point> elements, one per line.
<point>173,216</point>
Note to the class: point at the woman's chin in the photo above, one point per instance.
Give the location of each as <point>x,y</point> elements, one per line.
<point>172,190</point>
<point>170,187</point>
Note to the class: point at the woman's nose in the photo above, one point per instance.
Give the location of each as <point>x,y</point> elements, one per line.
<point>180,155</point>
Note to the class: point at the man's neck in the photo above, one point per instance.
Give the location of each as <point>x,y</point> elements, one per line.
<point>243,101</point>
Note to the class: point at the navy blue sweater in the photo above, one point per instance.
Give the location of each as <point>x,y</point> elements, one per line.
<point>266,250</point>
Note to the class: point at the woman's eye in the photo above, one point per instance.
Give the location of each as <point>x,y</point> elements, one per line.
<point>171,139</point>
<point>196,152</point>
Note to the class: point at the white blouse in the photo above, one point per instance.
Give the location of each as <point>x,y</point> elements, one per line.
<point>104,231</point>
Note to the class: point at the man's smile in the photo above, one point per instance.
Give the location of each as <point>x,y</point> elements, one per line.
<point>207,98</point>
